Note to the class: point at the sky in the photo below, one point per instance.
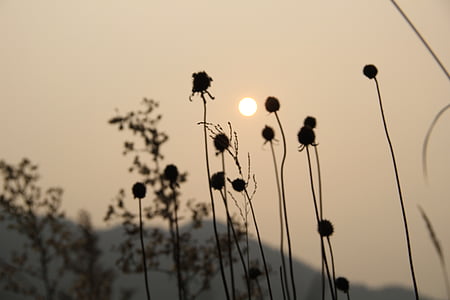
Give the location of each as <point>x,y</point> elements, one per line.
<point>65,66</point>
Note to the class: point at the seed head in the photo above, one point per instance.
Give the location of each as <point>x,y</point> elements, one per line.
<point>254,272</point>
<point>306,136</point>
<point>272,104</point>
<point>370,71</point>
<point>238,185</point>
<point>218,180</point>
<point>171,173</point>
<point>325,228</point>
<point>310,121</point>
<point>221,142</point>
<point>342,284</point>
<point>268,133</point>
<point>201,82</point>
<point>139,190</point>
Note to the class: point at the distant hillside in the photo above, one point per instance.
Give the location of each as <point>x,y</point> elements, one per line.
<point>164,286</point>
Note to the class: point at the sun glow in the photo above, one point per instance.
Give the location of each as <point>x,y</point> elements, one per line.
<point>247,107</point>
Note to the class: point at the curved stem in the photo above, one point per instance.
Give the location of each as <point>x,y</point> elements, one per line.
<point>216,234</point>
<point>283,194</point>
<point>427,138</point>
<point>280,209</point>
<point>143,251</point>
<point>405,221</point>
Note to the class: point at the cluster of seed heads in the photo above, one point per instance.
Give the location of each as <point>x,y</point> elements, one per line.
<point>342,284</point>
<point>272,104</point>
<point>171,174</point>
<point>238,185</point>
<point>370,71</point>
<point>306,135</point>
<point>268,133</point>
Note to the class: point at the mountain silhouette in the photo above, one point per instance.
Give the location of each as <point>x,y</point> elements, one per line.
<point>163,286</point>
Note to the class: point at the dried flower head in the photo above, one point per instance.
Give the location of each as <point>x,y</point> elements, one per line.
<point>139,190</point>
<point>254,272</point>
<point>306,136</point>
<point>325,228</point>
<point>370,71</point>
<point>268,133</point>
<point>272,104</point>
<point>171,173</point>
<point>200,84</point>
<point>238,184</point>
<point>218,180</point>
<point>221,142</point>
<point>310,121</point>
<point>342,284</point>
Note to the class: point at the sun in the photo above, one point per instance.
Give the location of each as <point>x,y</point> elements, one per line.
<point>247,106</point>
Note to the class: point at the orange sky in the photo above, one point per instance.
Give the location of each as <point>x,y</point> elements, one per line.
<point>65,66</point>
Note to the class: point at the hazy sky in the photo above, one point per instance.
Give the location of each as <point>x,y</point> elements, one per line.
<point>66,65</point>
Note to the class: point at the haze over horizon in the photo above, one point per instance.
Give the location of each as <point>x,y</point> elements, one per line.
<point>66,67</point>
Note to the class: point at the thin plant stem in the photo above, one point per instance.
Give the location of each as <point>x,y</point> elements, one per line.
<point>216,234</point>
<point>320,213</point>
<point>348,295</point>
<point>230,248</point>
<point>421,39</point>
<point>177,246</point>
<point>324,257</point>
<point>241,256</point>
<point>143,251</point>
<point>266,269</point>
<point>283,161</point>
<point>397,178</point>
<point>280,205</point>
<point>427,138</point>
<point>333,269</point>
<point>282,283</point>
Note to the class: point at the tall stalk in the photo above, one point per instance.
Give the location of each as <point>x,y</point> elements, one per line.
<point>147,290</point>
<point>216,234</point>
<point>371,71</point>
<point>283,194</point>
<point>285,288</point>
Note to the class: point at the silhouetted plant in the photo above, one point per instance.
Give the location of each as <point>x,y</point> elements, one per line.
<point>92,280</point>
<point>200,84</point>
<point>272,105</point>
<point>197,261</point>
<point>233,150</point>
<point>371,71</point>
<point>269,137</point>
<point>35,214</point>
<point>306,138</point>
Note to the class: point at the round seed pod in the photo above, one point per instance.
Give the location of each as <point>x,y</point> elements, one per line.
<point>272,104</point>
<point>218,180</point>
<point>171,173</point>
<point>139,190</point>
<point>325,228</point>
<point>342,284</point>
<point>238,185</point>
<point>306,136</point>
<point>221,142</point>
<point>310,121</point>
<point>201,82</point>
<point>268,133</point>
<point>370,71</point>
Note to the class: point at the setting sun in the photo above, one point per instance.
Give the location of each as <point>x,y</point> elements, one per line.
<point>247,107</point>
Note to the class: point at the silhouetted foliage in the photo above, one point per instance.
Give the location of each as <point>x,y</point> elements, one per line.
<point>198,260</point>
